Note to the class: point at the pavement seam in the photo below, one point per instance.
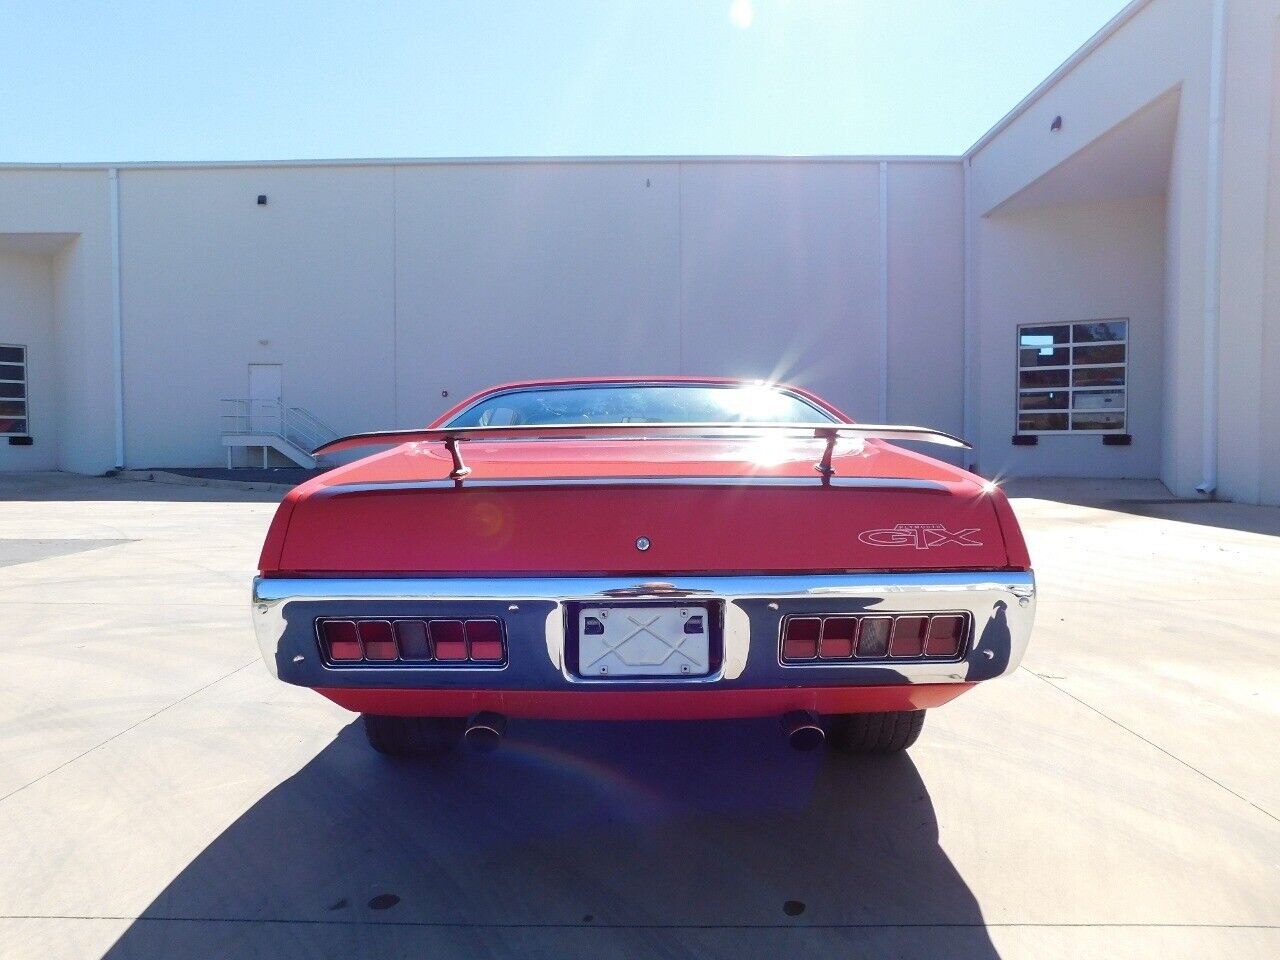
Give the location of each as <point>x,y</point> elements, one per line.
<point>464,925</point>
<point>121,733</point>
<point>1151,743</point>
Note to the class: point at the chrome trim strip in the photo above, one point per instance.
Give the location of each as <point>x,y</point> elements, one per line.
<point>986,595</point>
<point>858,483</point>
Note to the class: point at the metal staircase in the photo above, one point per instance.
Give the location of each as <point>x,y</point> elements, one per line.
<point>271,425</point>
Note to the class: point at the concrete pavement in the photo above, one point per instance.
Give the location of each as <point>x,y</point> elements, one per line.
<point>162,796</point>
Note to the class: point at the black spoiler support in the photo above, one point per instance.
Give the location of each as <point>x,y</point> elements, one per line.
<point>452,436</point>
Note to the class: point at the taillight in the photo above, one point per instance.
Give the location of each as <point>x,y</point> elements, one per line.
<point>837,637</point>
<point>481,641</point>
<point>946,635</point>
<point>449,638</point>
<point>342,639</point>
<point>908,636</point>
<point>874,637</point>
<point>800,638</point>
<point>485,639</point>
<point>379,644</point>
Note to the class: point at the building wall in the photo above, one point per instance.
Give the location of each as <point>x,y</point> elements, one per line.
<point>926,298</point>
<point>26,319</point>
<point>67,213</point>
<point>388,292</point>
<point>213,282</point>
<point>1269,403</point>
<point>1249,464</point>
<point>1065,265</point>
<point>1163,47</point>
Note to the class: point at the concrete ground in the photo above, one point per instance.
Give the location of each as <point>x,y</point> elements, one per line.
<point>162,796</point>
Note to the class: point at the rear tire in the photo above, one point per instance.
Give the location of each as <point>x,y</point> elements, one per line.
<point>876,733</point>
<point>413,736</point>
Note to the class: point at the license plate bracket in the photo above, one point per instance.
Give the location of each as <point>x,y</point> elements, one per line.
<point>628,640</point>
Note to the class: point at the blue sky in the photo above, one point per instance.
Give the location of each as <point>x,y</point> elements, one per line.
<point>132,80</point>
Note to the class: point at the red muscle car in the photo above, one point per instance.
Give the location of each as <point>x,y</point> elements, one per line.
<point>656,548</point>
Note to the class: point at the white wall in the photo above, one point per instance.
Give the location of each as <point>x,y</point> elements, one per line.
<point>511,271</point>
<point>1249,454</point>
<point>1065,265</point>
<point>26,319</point>
<point>208,274</point>
<point>381,288</point>
<point>67,212</point>
<point>926,297</point>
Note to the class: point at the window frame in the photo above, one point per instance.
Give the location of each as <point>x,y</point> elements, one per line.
<point>25,398</point>
<point>1071,389</point>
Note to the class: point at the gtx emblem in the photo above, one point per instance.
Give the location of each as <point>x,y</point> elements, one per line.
<point>922,536</point>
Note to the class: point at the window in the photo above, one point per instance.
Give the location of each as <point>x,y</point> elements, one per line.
<point>13,391</point>
<point>1071,377</point>
<point>640,402</point>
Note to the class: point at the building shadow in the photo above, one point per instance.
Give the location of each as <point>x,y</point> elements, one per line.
<point>670,839</point>
<point>58,487</point>
<point>1149,498</point>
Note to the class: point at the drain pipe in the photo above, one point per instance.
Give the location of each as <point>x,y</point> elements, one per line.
<point>117,319</point>
<point>1213,252</point>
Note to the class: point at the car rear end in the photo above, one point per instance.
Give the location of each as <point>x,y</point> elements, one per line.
<point>553,582</point>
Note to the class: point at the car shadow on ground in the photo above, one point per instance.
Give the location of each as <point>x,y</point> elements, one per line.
<point>611,839</point>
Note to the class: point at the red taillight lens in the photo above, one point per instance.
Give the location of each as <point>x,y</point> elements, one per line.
<point>485,639</point>
<point>424,641</point>
<point>341,639</point>
<point>908,636</point>
<point>837,637</point>
<point>449,639</point>
<point>379,643</point>
<point>945,636</point>
<point>800,638</point>
<point>411,635</point>
<point>873,636</point>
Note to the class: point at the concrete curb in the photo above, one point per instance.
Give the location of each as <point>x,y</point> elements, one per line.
<point>161,476</point>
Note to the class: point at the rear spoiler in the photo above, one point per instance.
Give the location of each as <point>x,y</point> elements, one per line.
<point>450,436</point>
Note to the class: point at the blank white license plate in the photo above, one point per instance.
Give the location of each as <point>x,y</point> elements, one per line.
<point>644,641</point>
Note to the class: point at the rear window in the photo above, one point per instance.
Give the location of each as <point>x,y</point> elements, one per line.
<point>641,403</point>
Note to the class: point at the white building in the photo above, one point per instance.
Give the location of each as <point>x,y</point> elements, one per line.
<point>1140,182</point>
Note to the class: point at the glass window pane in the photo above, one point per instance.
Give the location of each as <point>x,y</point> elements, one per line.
<point>12,355</point>
<point>1053,400</point>
<point>1043,378</point>
<point>1042,421</point>
<point>12,426</point>
<point>12,408</point>
<point>641,403</point>
<point>1101,330</point>
<point>1099,400</point>
<point>12,371</point>
<point>13,390</point>
<point>1044,357</point>
<point>1107,353</point>
<point>1097,421</point>
<point>1097,377</point>
<point>1044,338</point>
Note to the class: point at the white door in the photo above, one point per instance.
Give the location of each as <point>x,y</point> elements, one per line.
<point>264,398</point>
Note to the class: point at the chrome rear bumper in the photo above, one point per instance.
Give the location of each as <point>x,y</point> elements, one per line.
<point>1000,603</point>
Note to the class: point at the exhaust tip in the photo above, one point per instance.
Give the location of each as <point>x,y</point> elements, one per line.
<point>803,730</point>
<point>485,731</point>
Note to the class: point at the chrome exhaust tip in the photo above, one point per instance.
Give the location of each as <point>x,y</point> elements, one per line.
<point>484,731</point>
<point>803,730</point>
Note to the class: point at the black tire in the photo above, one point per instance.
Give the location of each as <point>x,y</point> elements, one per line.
<point>878,733</point>
<point>413,736</point>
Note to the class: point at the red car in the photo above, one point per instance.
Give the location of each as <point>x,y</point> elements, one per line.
<point>630,549</point>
